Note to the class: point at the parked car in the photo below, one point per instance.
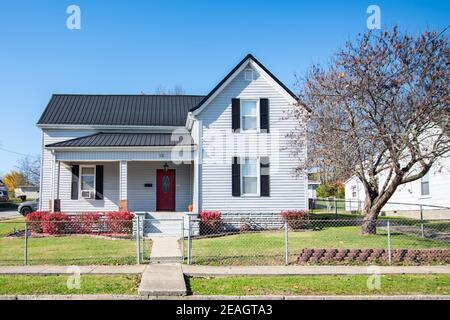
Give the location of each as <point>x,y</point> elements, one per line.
<point>4,196</point>
<point>28,207</point>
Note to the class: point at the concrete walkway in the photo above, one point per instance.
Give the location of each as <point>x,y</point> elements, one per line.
<point>163,280</point>
<point>206,271</point>
<point>165,249</point>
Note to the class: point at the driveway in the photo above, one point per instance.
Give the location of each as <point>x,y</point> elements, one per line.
<point>9,214</point>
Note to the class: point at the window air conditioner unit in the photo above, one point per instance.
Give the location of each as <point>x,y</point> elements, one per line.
<point>87,194</point>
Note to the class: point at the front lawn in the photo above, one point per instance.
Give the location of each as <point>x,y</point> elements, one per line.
<point>89,284</point>
<point>269,247</point>
<point>9,226</point>
<point>70,250</point>
<point>321,285</point>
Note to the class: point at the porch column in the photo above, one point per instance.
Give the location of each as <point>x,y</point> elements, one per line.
<point>123,186</point>
<point>55,202</point>
<point>197,162</point>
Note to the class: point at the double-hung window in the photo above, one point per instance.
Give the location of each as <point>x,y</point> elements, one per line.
<point>249,115</point>
<point>425,185</point>
<point>249,176</point>
<point>353,191</point>
<point>87,182</point>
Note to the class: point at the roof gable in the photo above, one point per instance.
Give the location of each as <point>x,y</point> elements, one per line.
<point>258,66</point>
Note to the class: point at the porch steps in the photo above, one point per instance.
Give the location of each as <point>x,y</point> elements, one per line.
<point>162,228</point>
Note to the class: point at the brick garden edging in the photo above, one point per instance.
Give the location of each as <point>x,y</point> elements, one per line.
<point>368,256</point>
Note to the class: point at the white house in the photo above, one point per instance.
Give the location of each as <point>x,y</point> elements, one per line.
<point>224,151</point>
<point>432,192</point>
<point>312,188</point>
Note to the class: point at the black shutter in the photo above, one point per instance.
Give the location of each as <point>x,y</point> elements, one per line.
<point>236,178</point>
<point>75,178</point>
<point>236,114</point>
<point>264,114</point>
<point>265,176</point>
<point>99,182</point>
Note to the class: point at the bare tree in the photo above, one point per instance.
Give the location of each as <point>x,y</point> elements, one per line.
<point>30,168</point>
<point>177,90</point>
<point>380,111</point>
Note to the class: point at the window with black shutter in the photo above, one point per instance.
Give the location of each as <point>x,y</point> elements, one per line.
<point>75,178</point>
<point>265,176</point>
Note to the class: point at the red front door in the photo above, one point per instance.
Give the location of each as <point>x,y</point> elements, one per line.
<point>165,190</point>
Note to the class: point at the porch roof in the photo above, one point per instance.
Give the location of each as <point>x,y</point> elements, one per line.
<point>121,139</point>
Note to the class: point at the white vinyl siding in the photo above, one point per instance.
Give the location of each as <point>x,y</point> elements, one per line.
<point>110,189</point>
<point>286,190</point>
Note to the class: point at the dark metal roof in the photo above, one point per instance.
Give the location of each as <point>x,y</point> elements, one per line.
<point>127,110</point>
<point>249,56</point>
<point>103,139</point>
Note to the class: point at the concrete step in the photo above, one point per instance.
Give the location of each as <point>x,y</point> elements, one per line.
<point>163,280</point>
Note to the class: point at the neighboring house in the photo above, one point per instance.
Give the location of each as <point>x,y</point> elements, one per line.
<point>30,192</point>
<point>312,189</point>
<point>225,151</point>
<point>432,190</point>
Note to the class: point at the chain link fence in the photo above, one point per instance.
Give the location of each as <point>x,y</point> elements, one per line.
<point>72,240</point>
<point>254,239</point>
<point>340,207</point>
<point>269,240</point>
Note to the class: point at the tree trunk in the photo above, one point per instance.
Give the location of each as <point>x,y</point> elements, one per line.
<point>369,224</point>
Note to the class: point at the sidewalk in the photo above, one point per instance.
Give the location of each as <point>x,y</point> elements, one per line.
<point>54,270</point>
<point>195,270</point>
<point>207,271</point>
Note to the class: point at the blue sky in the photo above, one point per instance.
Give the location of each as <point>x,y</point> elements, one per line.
<point>134,46</point>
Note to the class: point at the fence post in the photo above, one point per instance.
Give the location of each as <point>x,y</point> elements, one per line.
<point>189,241</point>
<point>335,206</point>
<point>286,238</point>
<point>389,242</point>
<point>25,261</point>
<point>421,221</point>
<point>138,241</point>
<point>182,240</point>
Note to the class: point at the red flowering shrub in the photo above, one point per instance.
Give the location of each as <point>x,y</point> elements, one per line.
<point>210,222</point>
<point>55,223</point>
<point>34,220</point>
<point>119,222</point>
<point>296,219</point>
<point>86,223</point>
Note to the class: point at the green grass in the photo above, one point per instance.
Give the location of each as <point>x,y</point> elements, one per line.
<point>8,226</point>
<point>80,250</point>
<point>89,284</point>
<point>269,247</point>
<point>321,285</point>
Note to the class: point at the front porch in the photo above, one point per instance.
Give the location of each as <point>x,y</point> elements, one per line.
<point>163,188</point>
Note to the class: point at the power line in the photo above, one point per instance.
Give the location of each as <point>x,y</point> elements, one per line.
<point>14,152</point>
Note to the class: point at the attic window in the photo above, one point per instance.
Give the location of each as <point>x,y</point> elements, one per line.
<point>249,75</point>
